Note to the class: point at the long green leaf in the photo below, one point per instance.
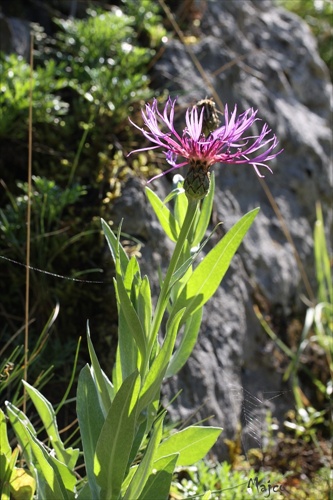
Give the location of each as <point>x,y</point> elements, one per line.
<point>186,345</point>
<point>132,270</point>
<point>85,493</point>
<point>5,448</point>
<point>158,368</point>
<point>127,355</point>
<point>55,480</point>
<point>103,384</point>
<point>159,482</point>
<point>7,457</point>
<point>167,220</point>
<point>16,416</point>
<point>131,317</point>
<point>91,421</point>
<point>322,260</point>
<point>192,444</point>
<point>46,412</point>
<point>119,255</point>
<point>188,260</point>
<point>116,439</point>
<point>144,304</point>
<point>11,469</point>
<point>141,433</point>
<point>144,470</point>
<point>182,270</point>
<point>206,278</point>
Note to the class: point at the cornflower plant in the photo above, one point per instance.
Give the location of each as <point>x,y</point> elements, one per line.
<point>127,454</point>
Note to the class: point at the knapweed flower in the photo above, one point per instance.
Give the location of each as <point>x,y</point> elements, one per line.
<point>230,143</point>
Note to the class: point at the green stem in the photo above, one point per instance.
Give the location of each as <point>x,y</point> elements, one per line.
<point>165,290</point>
<point>87,128</point>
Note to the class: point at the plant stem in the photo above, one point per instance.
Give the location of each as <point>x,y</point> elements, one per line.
<point>165,289</point>
<point>86,131</point>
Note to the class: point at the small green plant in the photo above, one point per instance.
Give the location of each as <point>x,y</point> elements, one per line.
<point>316,334</point>
<point>105,81</point>
<point>224,483</point>
<point>304,423</point>
<point>318,326</point>
<point>16,79</point>
<point>309,425</point>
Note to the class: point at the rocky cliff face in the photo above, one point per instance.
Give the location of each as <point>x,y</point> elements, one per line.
<point>252,54</point>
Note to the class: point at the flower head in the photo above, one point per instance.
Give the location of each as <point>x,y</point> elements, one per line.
<point>230,143</point>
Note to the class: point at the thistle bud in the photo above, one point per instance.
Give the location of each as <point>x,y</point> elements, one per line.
<point>197,180</point>
<point>211,120</point>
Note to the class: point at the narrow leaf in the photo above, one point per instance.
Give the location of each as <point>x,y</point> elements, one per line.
<point>153,381</point>
<point>119,255</point>
<point>52,474</point>
<point>85,493</point>
<point>128,357</point>
<point>141,433</point>
<point>9,466</point>
<point>167,220</point>
<point>48,417</point>
<point>186,345</point>
<point>103,384</point>
<point>116,438</point>
<point>144,305</point>
<point>5,448</point>
<point>131,317</point>
<point>159,482</point>
<point>206,278</point>
<point>16,417</point>
<point>144,470</point>
<point>91,420</point>
<point>132,270</point>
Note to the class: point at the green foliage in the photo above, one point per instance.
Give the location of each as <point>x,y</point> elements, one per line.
<point>106,82</point>
<point>319,16</point>
<point>318,324</point>
<point>55,479</point>
<point>126,453</point>
<point>12,363</point>
<point>48,202</point>
<point>15,482</point>
<point>85,80</point>
<point>310,422</point>
<point>148,19</point>
<point>304,423</point>
<point>220,481</point>
<point>51,237</point>
<point>16,80</point>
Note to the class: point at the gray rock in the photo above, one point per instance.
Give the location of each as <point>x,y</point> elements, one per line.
<point>235,372</point>
<point>14,36</point>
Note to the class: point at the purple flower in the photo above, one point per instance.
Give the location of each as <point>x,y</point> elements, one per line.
<point>227,144</point>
